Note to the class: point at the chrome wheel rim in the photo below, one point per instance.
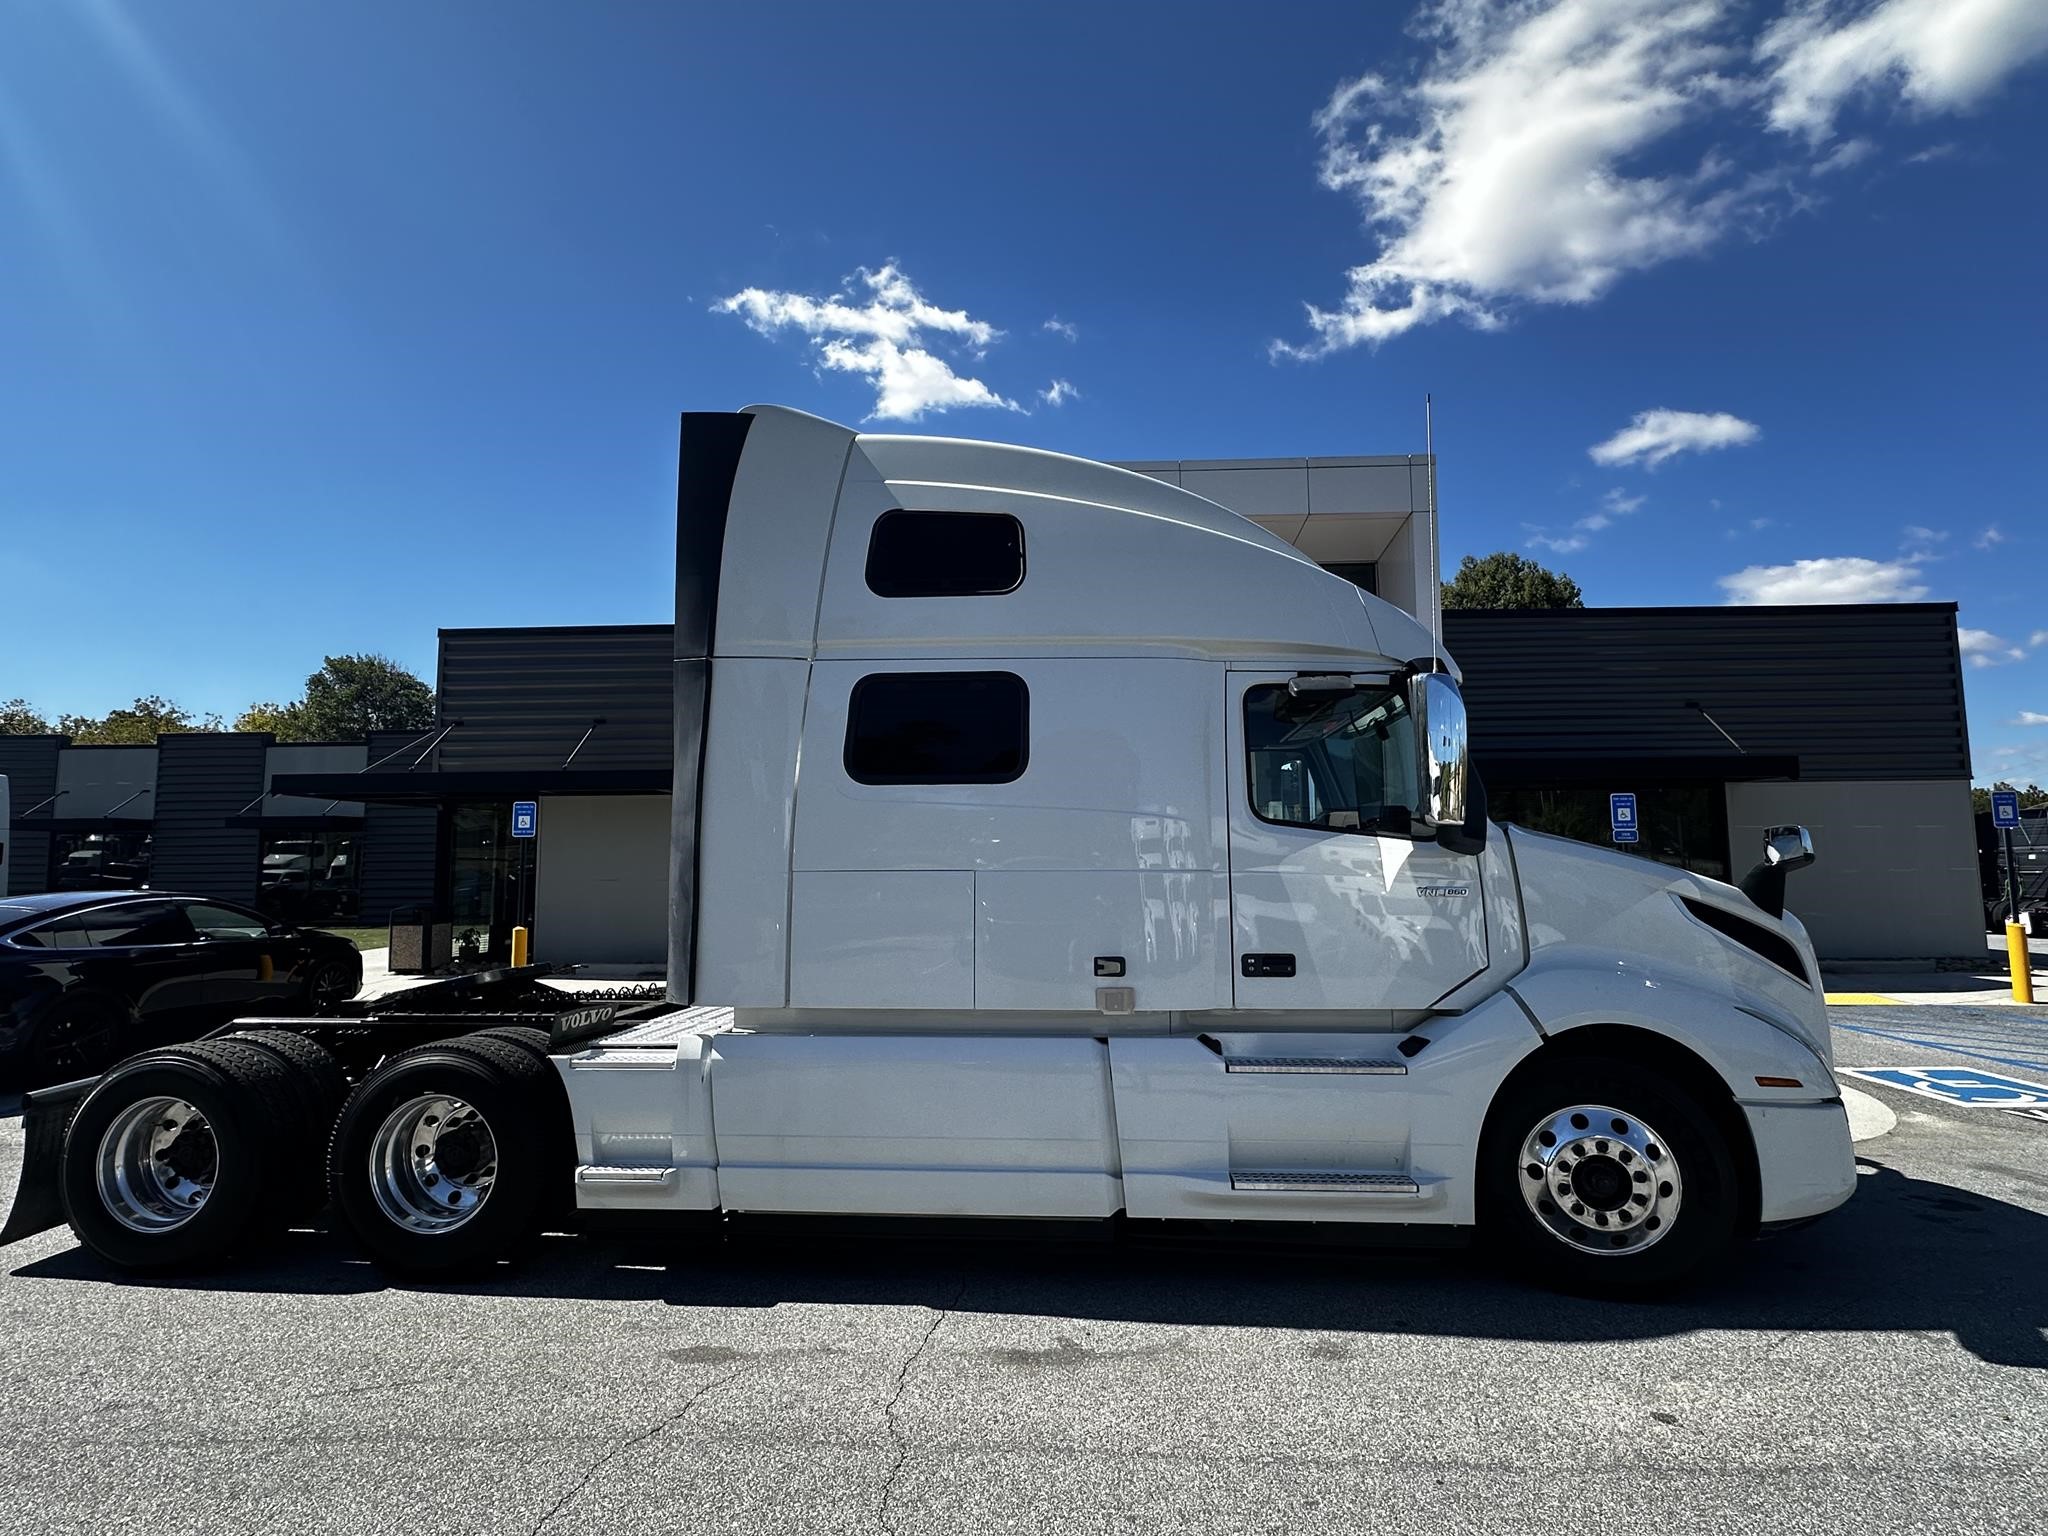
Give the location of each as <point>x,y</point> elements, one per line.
<point>1599,1180</point>
<point>432,1164</point>
<point>157,1165</point>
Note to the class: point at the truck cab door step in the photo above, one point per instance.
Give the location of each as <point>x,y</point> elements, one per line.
<point>1396,1185</point>
<point>1360,1066</point>
<point>599,1174</point>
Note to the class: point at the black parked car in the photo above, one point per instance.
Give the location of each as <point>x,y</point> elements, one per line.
<point>87,977</point>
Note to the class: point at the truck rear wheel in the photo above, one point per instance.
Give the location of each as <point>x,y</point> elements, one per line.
<point>1602,1176</point>
<point>318,1088</point>
<point>174,1157</point>
<point>440,1161</point>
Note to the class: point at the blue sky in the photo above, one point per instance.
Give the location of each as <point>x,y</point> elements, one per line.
<point>323,327</point>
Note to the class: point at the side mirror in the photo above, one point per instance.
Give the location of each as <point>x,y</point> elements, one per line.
<point>1785,849</point>
<point>1788,848</point>
<point>1443,766</point>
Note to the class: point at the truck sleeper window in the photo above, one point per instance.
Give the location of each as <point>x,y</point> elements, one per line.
<point>938,728</point>
<point>945,554</point>
<point>1341,762</point>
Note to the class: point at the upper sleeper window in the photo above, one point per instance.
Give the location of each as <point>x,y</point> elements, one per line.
<point>945,554</point>
<point>938,728</point>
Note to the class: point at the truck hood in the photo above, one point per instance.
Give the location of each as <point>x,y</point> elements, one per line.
<point>1617,908</point>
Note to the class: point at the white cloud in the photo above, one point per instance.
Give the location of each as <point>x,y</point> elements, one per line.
<point>1981,648</point>
<point>1913,533</point>
<point>2031,717</point>
<point>1614,504</point>
<point>1547,148</point>
<point>1930,154</point>
<point>1508,170</point>
<point>1940,55</point>
<point>1064,328</point>
<point>1059,392</point>
<point>1654,436</point>
<point>1759,524</point>
<point>1849,152</point>
<point>1989,537</point>
<point>886,340</point>
<point>2038,637</point>
<point>1838,579</point>
<point>1558,544</point>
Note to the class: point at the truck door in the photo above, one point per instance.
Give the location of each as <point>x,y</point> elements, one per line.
<point>1338,899</point>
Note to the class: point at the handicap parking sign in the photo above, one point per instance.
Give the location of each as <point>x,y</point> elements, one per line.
<point>2005,808</point>
<point>1621,817</point>
<point>525,818</point>
<point>1959,1085</point>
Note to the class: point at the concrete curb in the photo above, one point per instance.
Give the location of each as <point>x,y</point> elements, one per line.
<point>1869,1118</point>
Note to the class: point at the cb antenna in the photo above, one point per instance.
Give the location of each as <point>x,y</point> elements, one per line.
<point>1436,574</point>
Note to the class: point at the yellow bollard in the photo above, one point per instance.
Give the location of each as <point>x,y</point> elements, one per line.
<point>519,946</point>
<point>2022,963</point>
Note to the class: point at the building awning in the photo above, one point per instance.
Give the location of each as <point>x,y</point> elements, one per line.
<point>1530,771</point>
<point>447,786</point>
<point>86,823</point>
<point>296,821</point>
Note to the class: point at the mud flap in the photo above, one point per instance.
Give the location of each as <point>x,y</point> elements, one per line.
<point>38,1205</point>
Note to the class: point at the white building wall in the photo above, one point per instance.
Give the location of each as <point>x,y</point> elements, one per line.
<point>1337,511</point>
<point>1895,875</point>
<point>602,890</point>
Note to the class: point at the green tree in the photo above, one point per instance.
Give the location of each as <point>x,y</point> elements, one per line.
<point>351,696</point>
<point>18,719</point>
<point>139,725</point>
<point>1509,580</point>
<point>2032,795</point>
<point>284,721</point>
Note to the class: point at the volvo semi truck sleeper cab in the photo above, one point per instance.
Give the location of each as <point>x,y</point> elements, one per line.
<point>1048,843</point>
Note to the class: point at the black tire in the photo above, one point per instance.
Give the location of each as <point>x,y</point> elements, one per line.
<point>245,1099</point>
<point>319,1088</point>
<point>1698,1235</point>
<point>525,1036</point>
<point>520,1107</point>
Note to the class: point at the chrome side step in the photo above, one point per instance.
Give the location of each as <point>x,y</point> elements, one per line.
<point>1397,1185</point>
<point>1362,1066</point>
<point>592,1174</point>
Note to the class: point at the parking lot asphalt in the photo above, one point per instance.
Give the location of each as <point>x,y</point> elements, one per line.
<point>1884,1370</point>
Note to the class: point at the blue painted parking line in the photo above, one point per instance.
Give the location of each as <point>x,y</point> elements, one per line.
<point>2036,1063</point>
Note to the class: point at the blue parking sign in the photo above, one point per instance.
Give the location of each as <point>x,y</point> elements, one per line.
<point>525,818</point>
<point>2005,808</point>
<point>1621,817</point>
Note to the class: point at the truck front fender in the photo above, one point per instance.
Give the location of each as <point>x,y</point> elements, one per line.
<point>1742,1044</point>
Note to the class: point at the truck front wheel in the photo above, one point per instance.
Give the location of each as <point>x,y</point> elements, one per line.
<point>1602,1176</point>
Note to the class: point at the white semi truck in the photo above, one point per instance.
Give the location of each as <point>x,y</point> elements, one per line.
<point>1048,844</point>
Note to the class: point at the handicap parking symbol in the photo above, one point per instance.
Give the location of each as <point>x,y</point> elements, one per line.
<point>1958,1085</point>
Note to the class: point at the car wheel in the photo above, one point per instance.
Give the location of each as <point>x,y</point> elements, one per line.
<point>332,983</point>
<point>1603,1176</point>
<point>445,1157</point>
<point>175,1157</point>
<point>79,1037</point>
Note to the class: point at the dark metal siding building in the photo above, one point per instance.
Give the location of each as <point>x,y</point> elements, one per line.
<point>1724,721</point>
<point>205,779</point>
<point>1852,692</point>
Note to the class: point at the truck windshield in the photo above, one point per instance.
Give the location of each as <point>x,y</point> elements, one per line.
<point>1343,762</point>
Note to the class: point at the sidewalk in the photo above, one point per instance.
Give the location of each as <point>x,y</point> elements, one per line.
<point>1849,986</point>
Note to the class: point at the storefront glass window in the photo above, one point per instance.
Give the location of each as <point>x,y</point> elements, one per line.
<point>99,861</point>
<point>309,876</point>
<point>1683,825</point>
<point>490,884</point>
